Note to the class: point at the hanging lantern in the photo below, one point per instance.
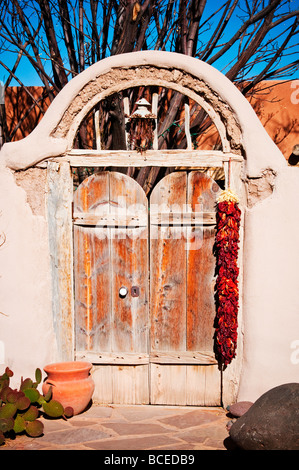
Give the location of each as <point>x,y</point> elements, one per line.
<point>140,127</point>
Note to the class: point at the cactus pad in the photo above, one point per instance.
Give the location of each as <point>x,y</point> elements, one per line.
<point>27,383</point>
<point>34,428</point>
<point>32,394</point>
<point>12,396</point>
<point>31,414</point>
<point>23,403</point>
<point>19,424</point>
<point>8,410</point>
<point>6,424</point>
<point>68,412</point>
<point>48,395</point>
<point>38,376</point>
<point>53,408</point>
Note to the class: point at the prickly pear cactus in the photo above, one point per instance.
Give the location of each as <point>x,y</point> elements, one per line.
<point>20,409</point>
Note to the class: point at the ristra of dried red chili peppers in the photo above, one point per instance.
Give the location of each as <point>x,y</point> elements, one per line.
<point>227,245</point>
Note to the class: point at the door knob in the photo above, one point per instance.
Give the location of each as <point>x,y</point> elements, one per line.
<point>123,292</point>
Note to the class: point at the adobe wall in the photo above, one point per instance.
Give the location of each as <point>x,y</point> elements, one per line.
<point>26,323</point>
<point>270,301</point>
<point>271,305</point>
<point>275,103</point>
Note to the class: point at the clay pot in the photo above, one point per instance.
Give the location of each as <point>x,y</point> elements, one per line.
<point>71,382</point>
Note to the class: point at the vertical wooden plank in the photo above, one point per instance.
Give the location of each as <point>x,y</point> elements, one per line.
<point>168,290</point>
<point>168,293</point>
<point>92,268</point>
<point>126,112</point>
<point>203,382</point>
<point>226,175</point>
<point>97,129</point>
<point>129,258</point>
<point>130,384</point>
<point>168,384</point>
<point>82,288</point>
<point>200,295</point>
<point>155,112</point>
<point>212,385</point>
<point>202,193</point>
<point>59,206</point>
<point>92,289</point>
<point>102,376</point>
<point>168,268</point>
<point>101,287</point>
<point>122,380</point>
<point>141,384</point>
<point>195,385</point>
<point>187,125</point>
<point>122,318</point>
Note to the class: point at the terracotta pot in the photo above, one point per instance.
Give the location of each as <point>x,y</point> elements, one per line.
<point>71,384</point>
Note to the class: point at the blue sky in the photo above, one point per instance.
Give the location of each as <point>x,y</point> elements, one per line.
<point>29,76</point>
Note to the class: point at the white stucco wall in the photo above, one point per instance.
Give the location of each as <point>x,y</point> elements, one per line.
<point>271,286</point>
<point>26,326</point>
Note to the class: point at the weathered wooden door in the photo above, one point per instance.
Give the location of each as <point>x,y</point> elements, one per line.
<point>182,269</point>
<point>111,285</point>
<point>159,352</point>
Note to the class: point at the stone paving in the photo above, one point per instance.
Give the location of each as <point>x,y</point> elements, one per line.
<point>144,427</point>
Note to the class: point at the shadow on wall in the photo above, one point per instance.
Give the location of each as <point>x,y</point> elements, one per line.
<point>275,102</point>
<point>24,108</point>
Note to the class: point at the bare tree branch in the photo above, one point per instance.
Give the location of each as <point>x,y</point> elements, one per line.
<point>61,38</point>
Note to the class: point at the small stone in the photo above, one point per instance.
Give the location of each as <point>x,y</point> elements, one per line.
<point>271,423</point>
<point>239,408</point>
<point>230,423</point>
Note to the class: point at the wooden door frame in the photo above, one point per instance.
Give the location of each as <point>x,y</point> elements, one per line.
<point>60,199</point>
<point>227,108</point>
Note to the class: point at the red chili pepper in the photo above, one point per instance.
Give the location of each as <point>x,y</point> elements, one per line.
<point>227,240</point>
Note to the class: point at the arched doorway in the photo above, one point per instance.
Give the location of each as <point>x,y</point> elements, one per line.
<point>229,161</point>
<point>247,151</point>
<point>144,288</point>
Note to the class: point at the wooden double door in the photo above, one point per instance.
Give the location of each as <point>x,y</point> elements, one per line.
<point>144,288</point>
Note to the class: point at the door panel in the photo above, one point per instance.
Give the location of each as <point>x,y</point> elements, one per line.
<point>201,195</point>
<point>92,290</point>
<point>182,292</point>
<point>168,268</point>
<point>111,329</point>
<point>165,357</point>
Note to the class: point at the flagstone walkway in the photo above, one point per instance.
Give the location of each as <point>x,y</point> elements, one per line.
<point>143,427</point>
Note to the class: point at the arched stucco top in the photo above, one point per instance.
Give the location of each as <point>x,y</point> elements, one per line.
<point>239,127</point>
